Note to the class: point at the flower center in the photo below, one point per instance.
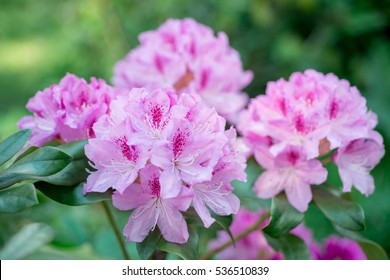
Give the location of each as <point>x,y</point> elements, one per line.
<point>128,151</point>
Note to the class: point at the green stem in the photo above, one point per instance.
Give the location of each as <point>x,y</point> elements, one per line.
<point>116,230</point>
<point>240,236</point>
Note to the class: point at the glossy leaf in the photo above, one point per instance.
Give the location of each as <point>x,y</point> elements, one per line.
<point>224,223</point>
<point>12,144</point>
<point>192,217</point>
<point>17,198</point>
<point>292,247</point>
<point>254,203</point>
<point>43,162</point>
<point>253,171</point>
<point>30,238</point>
<point>146,248</point>
<point>284,217</point>
<point>27,152</point>
<point>221,222</point>
<point>187,251</point>
<point>372,250</point>
<point>75,172</point>
<point>72,195</point>
<point>342,212</point>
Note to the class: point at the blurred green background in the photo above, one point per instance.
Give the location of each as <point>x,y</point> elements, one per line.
<point>41,40</point>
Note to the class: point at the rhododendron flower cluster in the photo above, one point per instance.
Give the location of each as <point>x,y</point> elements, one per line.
<point>188,56</point>
<point>336,248</point>
<point>67,111</point>
<point>158,144</point>
<point>255,246</point>
<point>159,152</point>
<point>332,248</point>
<point>299,120</point>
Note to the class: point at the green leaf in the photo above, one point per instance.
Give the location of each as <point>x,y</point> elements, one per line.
<point>192,218</point>
<point>12,144</point>
<point>27,152</point>
<point>187,251</point>
<point>147,247</point>
<point>25,242</point>
<point>72,195</point>
<point>43,162</point>
<point>293,247</point>
<point>224,223</point>
<point>17,198</point>
<point>221,222</point>
<point>284,217</point>
<point>372,250</point>
<point>75,172</point>
<point>75,149</point>
<point>254,203</point>
<point>253,171</point>
<point>341,212</point>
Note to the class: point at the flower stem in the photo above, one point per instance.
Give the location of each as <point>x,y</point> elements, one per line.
<point>240,236</point>
<point>116,230</point>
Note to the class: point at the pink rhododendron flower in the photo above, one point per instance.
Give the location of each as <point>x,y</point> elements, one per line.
<point>117,163</point>
<point>307,108</point>
<point>336,248</point>
<point>355,161</point>
<point>67,111</point>
<point>153,208</point>
<point>217,193</point>
<point>254,246</point>
<point>179,139</point>
<point>186,55</point>
<point>291,172</point>
<point>312,114</point>
<point>333,248</point>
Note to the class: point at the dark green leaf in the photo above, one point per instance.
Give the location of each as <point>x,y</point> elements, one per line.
<point>72,195</point>
<point>147,247</point>
<point>30,238</point>
<point>192,217</point>
<point>253,171</point>
<point>27,152</point>
<point>221,222</point>
<point>43,162</point>
<point>224,223</point>
<point>75,172</point>
<point>293,247</point>
<point>75,149</point>
<point>17,198</point>
<point>187,251</point>
<point>341,212</point>
<point>253,203</point>
<point>284,217</point>
<point>372,250</point>
<point>11,145</point>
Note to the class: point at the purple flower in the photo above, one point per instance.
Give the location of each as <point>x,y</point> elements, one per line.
<point>153,208</point>
<point>254,246</point>
<point>186,55</point>
<point>291,172</point>
<point>178,140</point>
<point>306,109</point>
<point>305,118</point>
<point>355,161</point>
<point>117,163</point>
<point>336,248</point>
<point>67,111</point>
